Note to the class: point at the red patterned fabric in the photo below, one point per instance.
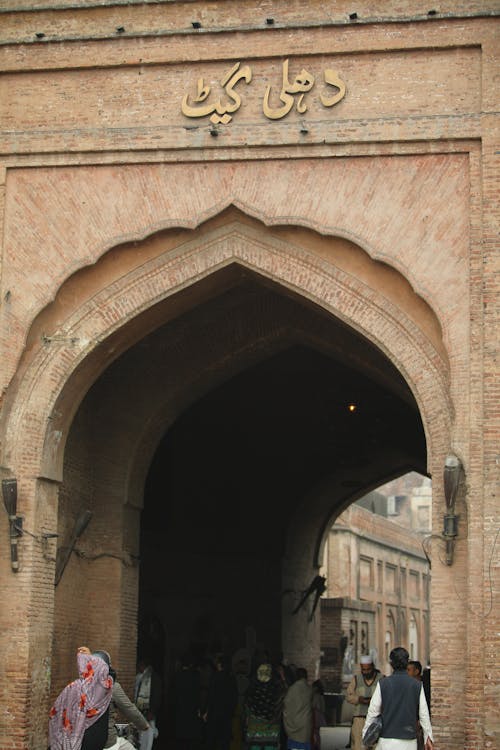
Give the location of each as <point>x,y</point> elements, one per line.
<point>80,704</point>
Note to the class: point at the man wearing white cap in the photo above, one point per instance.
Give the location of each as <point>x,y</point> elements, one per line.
<point>359,693</point>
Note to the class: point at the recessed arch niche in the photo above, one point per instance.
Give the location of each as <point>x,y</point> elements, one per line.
<point>325,278</point>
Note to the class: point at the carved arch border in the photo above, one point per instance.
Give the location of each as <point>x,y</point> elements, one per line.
<point>38,431</point>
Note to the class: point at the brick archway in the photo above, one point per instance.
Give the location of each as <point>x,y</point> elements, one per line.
<point>88,339</point>
<point>61,363</point>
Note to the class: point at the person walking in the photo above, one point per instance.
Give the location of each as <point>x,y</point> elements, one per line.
<point>222,702</point>
<point>400,700</point>
<point>188,724</point>
<point>297,713</point>
<point>82,708</point>
<point>85,713</point>
<point>263,705</point>
<point>148,700</point>
<point>120,704</point>
<point>359,693</point>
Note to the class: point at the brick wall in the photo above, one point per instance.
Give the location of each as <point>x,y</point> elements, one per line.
<point>95,154</point>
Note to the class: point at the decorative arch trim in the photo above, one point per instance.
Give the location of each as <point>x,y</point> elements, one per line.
<point>38,427</point>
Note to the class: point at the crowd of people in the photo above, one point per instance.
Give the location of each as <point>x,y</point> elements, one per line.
<point>216,707</point>
<point>250,704</point>
<point>259,705</point>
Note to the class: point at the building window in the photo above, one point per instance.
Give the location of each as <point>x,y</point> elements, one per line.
<point>364,638</point>
<point>389,635</point>
<point>402,574</point>
<point>414,584</point>
<point>424,518</point>
<point>366,573</point>
<point>413,638</point>
<point>390,579</point>
<point>380,576</point>
<point>353,640</point>
<point>425,583</point>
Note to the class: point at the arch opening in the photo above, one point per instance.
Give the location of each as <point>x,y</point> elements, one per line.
<point>105,308</point>
<point>314,382</point>
<point>378,573</point>
<point>253,390</point>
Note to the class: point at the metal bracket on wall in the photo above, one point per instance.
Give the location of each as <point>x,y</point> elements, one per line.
<point>64,553</point>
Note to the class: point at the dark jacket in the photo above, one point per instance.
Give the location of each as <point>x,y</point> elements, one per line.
<point>222,701</point>
<point>187,690</point>
<point>400,705</point>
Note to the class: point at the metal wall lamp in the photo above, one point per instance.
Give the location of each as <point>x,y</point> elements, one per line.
<point>9,492</point>
<point>452,472</point>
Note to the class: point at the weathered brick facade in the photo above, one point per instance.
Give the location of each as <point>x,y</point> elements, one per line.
<point>119,212</point>
<point>378,591</point>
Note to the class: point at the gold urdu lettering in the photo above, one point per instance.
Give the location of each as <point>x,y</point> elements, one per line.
<point>201,95</point>
<point>228,83</point>
<point>277,113</point>
<point>301,84</point>
<point>222,111</point>
<point>219,110</point>
<point>332,78</point>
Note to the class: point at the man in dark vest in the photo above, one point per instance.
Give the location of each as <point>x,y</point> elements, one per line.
<point>401,701</point>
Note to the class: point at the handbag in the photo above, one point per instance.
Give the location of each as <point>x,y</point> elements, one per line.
<point>373,730</point>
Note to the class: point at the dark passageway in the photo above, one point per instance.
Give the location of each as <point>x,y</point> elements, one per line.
<point>240,422</point>
<point>240,463</point>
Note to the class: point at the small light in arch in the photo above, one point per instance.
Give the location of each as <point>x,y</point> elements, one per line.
<point>352,407</point>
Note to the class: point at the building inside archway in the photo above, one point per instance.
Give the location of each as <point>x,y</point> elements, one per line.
<point>378,576</point>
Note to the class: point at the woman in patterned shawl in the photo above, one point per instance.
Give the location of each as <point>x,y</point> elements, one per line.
<point>263,708</point>
<point>81,703</point>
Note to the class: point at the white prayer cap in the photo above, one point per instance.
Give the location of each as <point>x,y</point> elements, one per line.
<point>366,659</point>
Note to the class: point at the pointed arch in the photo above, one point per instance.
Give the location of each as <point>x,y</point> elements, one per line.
<point>86,341</point>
